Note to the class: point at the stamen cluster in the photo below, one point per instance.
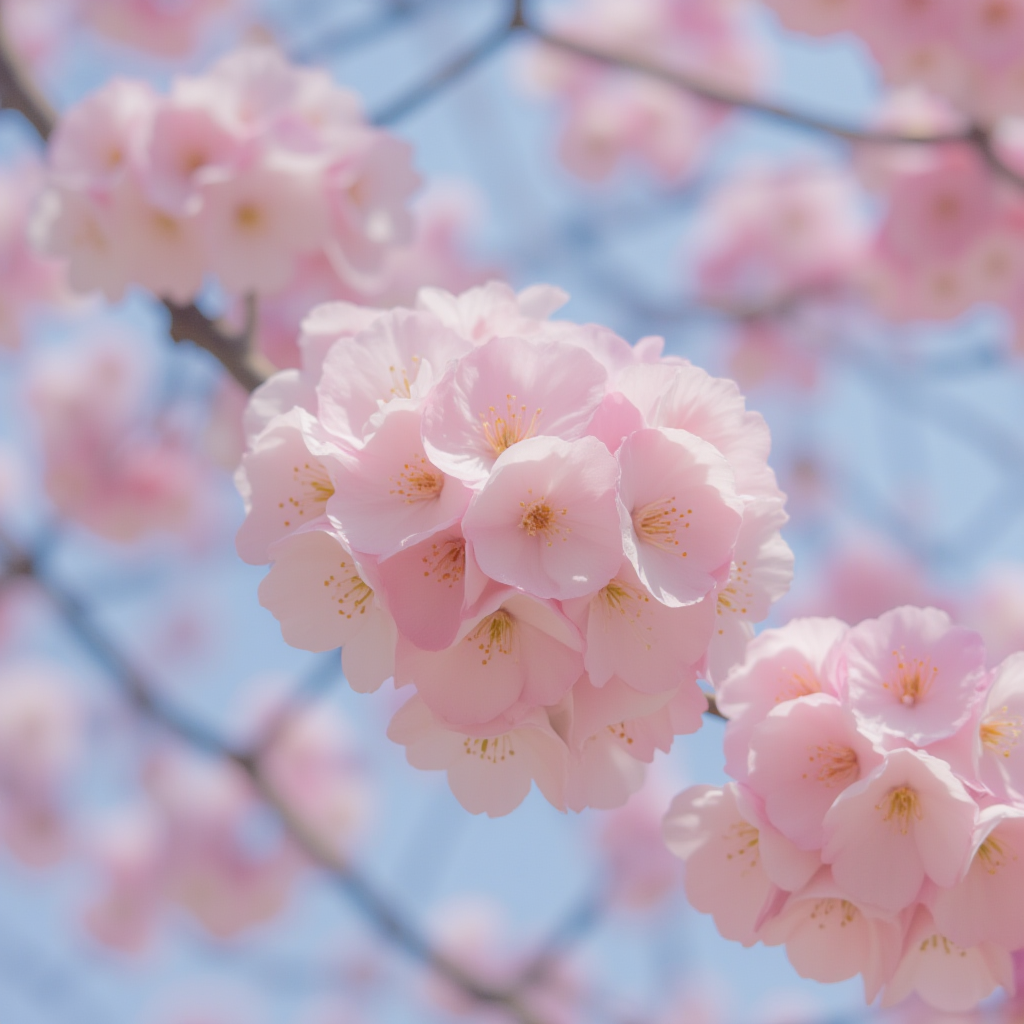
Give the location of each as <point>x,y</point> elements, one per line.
<point>546,533</point>
<point>876,822</point>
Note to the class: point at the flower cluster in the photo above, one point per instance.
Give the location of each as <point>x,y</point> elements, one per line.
<point>876,823</point>
<point>780,248</point>
<point>547,532</point>
<point>613,114</point>
<point>952,233</point>
<point>108,466</point>
<point>967,50</point>
<point>237,174</point>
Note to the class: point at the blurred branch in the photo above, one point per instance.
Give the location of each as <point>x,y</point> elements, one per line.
<point>720,95</point>
<point>454,69</point>
<point>375,907</point>
<point>332,42</point>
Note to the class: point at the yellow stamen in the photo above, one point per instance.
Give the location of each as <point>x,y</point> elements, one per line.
<point>503,431</point>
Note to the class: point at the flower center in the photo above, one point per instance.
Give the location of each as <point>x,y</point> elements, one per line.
<point>836,765</point>
<point>353,593</point>
<point>1001,732</point>
<point>446,562</point>
<point>539,517</point>
<point>992,855</point>
<point>495,634</point>
<point>418,481</point>
<point>901,807</point>
<point>492,749</point>
<point>659,522</point>
<point>914,678</point>
<point>313,487</point>
<point>503,431</point>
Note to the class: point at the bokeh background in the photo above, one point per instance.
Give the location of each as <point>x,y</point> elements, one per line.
<point>900,446</point>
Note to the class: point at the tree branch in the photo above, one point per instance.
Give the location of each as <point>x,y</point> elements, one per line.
<point>370,903</point>
<point>974,135</point>
<point>456,68</point>
<point>188,323</point>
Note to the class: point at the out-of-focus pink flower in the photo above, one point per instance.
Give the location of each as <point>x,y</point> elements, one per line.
<point>39,738</point>
<point>170,30</point>
<point>106,466</point>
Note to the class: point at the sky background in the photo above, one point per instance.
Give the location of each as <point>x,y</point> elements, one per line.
<point>895,432</point>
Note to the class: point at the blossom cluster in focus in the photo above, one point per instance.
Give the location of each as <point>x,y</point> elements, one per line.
<point>876,822</point>
<point>547,533</point>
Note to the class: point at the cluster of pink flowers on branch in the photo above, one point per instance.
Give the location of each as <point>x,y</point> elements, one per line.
<point>614,114</point>
<point>966,50</point>
<point>547,532</point>
<point>876,824</point>
<point>236,175</point>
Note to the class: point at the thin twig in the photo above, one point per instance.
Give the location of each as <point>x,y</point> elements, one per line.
<point>455,68</point>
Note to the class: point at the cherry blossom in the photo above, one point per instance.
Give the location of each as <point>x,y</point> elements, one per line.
<point>536,526</point>
<point>237,174</point>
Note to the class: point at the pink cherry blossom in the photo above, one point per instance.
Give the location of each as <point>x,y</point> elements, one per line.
<point>389,495</point>
<point>912,675</point>
<point>679,511</point>
<point>761,571</point>
<point>907,820</point>
<point>829,938</point>
<point>613,731</point>
<point>244,174</point>
<point>513,652</point>
<point>686,397</point>
<point>490,769</point>
<point>781,665</point>
<point>399,355</point>
<point>319,594</point>
<point>802,756</point>
<point>987,905</point>
<point>505,391</point>
<point>283,484</point>
<point>945,975</point>
<point>647,644</point>
<point>725,873</point>
<point>430,586</point>
<point>1000,725</point>
<point>546,519</point>
<point>128,851</point>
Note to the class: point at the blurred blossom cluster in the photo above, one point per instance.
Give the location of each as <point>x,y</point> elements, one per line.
<point>611,115</point>
<point>238,174</point>
<point>546,531</point>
